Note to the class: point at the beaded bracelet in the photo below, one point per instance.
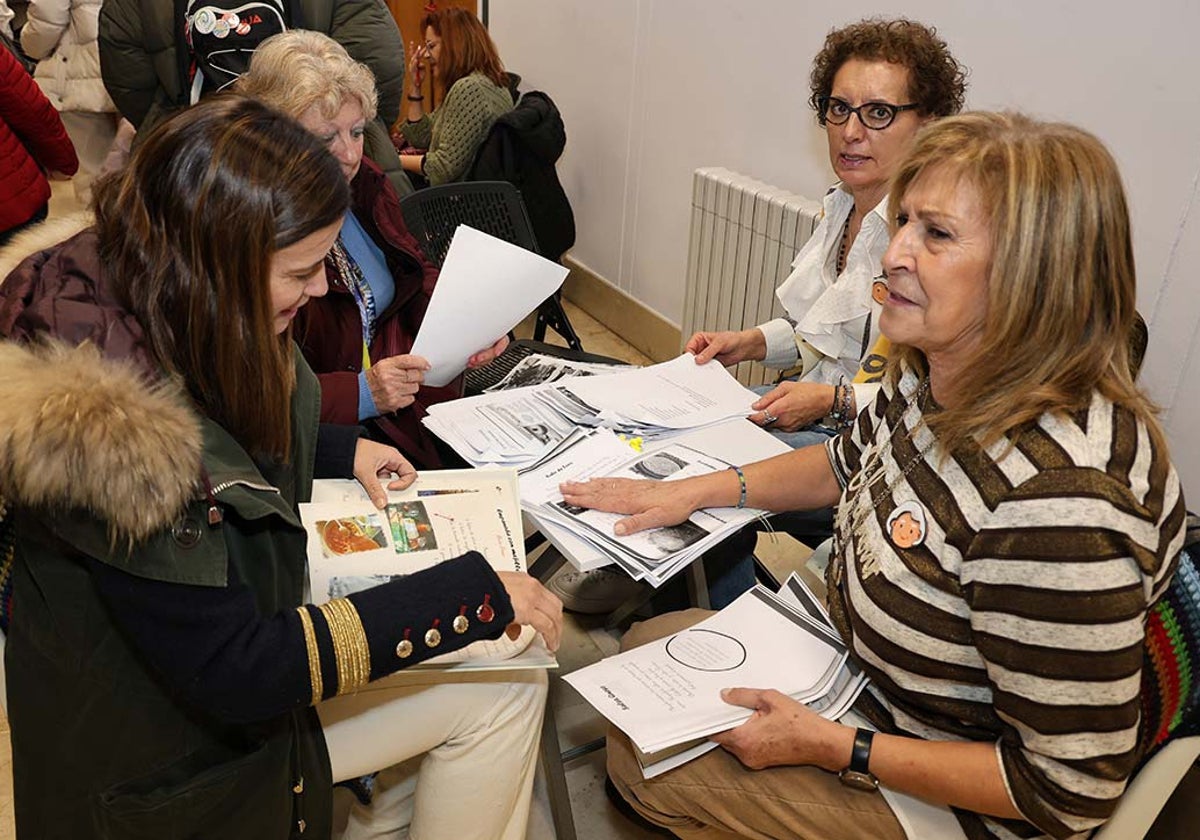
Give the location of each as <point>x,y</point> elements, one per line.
<point>840,413</point>
<point>741,477</point>
<point>847,402</point>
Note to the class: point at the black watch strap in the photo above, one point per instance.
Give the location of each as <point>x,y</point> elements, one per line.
<point>860,757</point>
<point>857,775</point>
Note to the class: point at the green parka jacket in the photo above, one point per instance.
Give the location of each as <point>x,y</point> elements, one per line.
<point>197,776</point>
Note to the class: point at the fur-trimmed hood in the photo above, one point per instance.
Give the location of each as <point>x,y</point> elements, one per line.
<point>40,237</point>
<point>81,427</point>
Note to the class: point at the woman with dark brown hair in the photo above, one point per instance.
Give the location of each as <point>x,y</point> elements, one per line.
<point>159,428</point>
<point>873,85</point>
<point>465,62</point>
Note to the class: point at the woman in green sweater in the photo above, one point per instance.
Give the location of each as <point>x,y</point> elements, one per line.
<point>465,61</point>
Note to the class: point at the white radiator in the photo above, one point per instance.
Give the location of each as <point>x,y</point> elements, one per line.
<point>744,236</point>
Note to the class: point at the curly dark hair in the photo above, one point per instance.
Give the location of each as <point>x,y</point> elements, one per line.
<point>936,81</point>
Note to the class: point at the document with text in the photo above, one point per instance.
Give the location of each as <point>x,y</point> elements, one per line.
<point>352,545</point>
<point>669,691</point>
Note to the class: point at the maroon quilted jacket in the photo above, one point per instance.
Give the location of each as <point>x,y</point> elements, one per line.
<point>329,329</point>
<point>32,139</point>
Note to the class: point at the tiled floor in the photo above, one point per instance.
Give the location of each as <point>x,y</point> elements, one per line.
<point>586,641</point>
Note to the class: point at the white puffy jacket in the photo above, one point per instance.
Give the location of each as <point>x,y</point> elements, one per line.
<point>62,36</point>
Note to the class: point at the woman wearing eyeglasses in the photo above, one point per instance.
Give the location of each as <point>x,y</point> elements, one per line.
<point>873,84</point>
<point>464,59</point>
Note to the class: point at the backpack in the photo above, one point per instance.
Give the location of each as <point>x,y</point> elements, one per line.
<point>222,35</point>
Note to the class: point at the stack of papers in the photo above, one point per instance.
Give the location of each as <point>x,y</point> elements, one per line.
<point>666,695</point>
<point>520,427</point>
<point>656,400</point>
<point>505,428</point>
<point>538,368</point>
<point>657,554</point>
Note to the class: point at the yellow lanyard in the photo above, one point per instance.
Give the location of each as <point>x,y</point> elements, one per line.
<point>872,365</point>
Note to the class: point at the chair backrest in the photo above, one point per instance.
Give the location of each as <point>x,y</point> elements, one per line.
<point>1170,699</point>
<point>494,207</point>
<point>1171,653</point>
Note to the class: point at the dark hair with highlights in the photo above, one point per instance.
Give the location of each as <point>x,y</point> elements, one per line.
<point>466,47</point>
<point>187,234</point>
<point>936,81</point>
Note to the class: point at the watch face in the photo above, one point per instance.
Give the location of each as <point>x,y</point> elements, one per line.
<point>858,781</point>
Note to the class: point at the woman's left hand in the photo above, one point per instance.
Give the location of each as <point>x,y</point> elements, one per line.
<point>793,405</point>
<point>783,732</point>
<point>489,355</point>
<point>652,504</point>
<point>373,460</point>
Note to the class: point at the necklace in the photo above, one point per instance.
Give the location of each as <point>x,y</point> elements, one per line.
<point>862,500</point>
<point>844,247</point>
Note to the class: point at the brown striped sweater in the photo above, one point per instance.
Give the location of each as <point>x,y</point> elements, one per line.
<point>1002,597</point>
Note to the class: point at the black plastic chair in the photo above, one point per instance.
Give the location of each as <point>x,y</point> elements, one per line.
<point>477,380</point>
<point>494,207</point>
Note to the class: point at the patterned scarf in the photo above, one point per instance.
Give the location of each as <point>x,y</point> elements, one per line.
<point>352,278</point>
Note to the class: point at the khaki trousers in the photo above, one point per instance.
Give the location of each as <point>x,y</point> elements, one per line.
<point>715,797</point>
<point>456,751</point>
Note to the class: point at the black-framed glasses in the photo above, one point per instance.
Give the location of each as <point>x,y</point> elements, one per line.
<point>874,115</point>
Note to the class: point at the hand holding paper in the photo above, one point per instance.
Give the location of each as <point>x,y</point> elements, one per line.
<point>782,731</point>
<point>394,381</point>
<point>486,286</point>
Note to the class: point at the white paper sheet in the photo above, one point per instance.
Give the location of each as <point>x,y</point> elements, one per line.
<point>486,286</point>
<point>678,394</point>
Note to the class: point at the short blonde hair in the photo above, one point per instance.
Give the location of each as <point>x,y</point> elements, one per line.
<point>1062,288</point>
<point>298,69</point>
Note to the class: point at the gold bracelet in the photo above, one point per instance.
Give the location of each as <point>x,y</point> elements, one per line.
<point>314,655</point>
<point>351,652</point>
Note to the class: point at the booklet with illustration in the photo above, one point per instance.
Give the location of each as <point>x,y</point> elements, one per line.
<point>666,694</point>
<point>669,691</point>
<point>352,545</point>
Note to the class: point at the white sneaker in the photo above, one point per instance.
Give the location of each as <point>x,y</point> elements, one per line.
<point>594,591</point>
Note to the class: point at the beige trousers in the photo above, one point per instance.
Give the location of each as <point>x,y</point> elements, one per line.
<point>459,752</point>
<point>715,797</point>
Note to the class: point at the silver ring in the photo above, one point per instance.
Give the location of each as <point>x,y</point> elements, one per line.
<point>769,418</point>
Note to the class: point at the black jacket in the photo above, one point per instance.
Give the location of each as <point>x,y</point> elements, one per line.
<point>522,148</point>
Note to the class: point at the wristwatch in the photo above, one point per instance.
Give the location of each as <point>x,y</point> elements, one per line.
<point>857,775</point>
